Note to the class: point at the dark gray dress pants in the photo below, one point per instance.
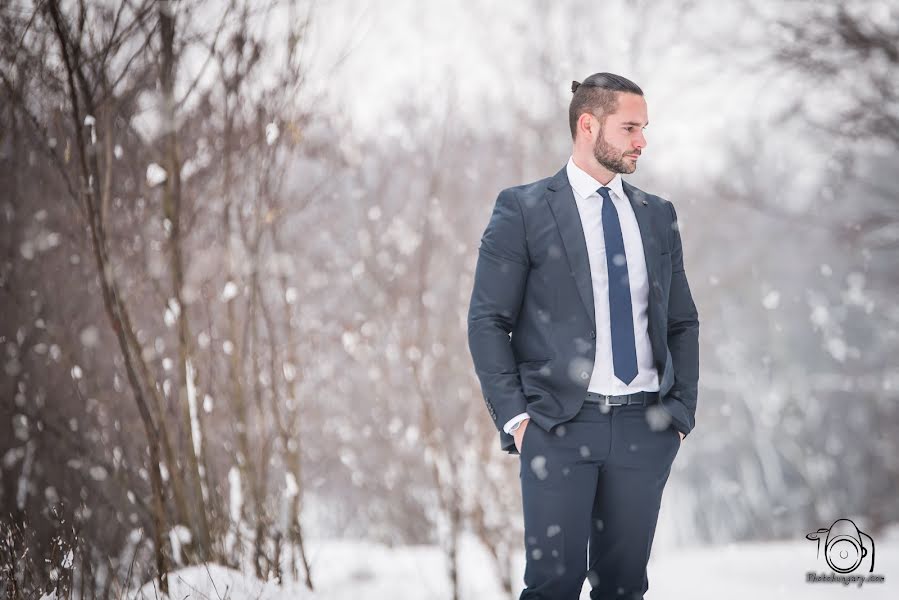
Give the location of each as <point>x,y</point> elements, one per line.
<point>594,482</point>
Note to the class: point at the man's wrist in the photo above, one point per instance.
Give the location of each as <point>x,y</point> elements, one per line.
<point>515,422</point>
<point>518,425</point>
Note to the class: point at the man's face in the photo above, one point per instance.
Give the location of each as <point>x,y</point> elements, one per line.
<point>620,140</point>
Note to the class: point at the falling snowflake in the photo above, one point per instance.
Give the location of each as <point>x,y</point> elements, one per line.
<point>155,175</point>
<point>271,133</point>
<point>89,336</point>
<point>230,291</point>
<point>771,300</point>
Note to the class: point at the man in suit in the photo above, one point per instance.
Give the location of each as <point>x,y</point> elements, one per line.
<point>585,339</point>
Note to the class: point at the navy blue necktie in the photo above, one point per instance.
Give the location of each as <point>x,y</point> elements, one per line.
<point>624,347</point>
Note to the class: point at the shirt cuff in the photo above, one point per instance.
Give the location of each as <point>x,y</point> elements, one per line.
<point>516,419</point>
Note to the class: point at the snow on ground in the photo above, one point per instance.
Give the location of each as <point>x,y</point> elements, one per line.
<point>345,570</point>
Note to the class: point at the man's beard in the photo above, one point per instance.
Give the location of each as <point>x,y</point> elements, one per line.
<point>611,158</point>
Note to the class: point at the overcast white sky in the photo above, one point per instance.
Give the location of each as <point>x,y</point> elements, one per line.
<point>487,49</point>
<point>702,69</point>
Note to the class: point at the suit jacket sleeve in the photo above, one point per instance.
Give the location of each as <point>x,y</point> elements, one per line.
<point>499,284</point>
<point>683,330</point>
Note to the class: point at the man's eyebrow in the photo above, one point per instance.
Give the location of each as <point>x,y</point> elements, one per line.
<point>635,123</point>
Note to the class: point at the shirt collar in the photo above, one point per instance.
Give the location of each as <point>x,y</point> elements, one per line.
<point>584,184</point>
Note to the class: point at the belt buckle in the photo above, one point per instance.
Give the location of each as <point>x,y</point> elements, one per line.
<point>607,403</point>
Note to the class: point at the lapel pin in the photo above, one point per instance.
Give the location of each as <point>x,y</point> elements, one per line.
<point>645,203</point>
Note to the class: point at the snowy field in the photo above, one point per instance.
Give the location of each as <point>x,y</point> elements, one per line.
<point>350,570</point>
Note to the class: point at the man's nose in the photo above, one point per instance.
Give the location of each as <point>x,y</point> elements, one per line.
<point>641,142</point>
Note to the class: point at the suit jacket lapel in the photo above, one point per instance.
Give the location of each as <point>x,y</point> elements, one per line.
<point>651,249</point>
<point>644,222</point>
<point>568,219</point>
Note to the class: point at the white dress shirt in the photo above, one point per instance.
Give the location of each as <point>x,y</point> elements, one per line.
<point>589,206</point>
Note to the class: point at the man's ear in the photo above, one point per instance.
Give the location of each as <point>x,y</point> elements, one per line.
<point>580,120</point>
<point>594,122</point>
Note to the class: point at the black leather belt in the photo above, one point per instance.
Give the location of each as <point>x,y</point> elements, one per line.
<point>638,398</point>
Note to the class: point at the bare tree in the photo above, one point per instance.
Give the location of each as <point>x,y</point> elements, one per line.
<point>96,152</point>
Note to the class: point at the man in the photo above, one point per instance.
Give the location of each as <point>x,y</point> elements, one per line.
<point>597,386</point>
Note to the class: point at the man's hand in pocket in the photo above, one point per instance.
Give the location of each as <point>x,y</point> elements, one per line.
<point>518,434</point>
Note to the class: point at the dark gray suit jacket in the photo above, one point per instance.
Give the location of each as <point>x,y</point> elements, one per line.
<point>532,281</point>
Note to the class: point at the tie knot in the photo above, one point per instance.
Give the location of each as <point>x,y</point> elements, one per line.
<point>604,192</point>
